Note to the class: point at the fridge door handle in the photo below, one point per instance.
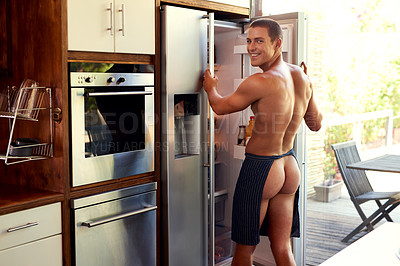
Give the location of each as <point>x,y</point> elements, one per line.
<point>211,160</point>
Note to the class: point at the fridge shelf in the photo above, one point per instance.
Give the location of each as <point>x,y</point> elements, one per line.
<point>239,151</point>
<point>240,49</point>
<point>25,103</point>
<point>223,245</point>
<point>219,192</point>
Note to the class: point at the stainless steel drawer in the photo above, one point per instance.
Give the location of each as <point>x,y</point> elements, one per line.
<point>29,225</point>
<point>116,228</point>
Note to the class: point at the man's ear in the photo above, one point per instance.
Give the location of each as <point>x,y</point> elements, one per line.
<point>278,43</point>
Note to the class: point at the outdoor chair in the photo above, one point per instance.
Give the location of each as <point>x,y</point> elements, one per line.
<point>360,189</point>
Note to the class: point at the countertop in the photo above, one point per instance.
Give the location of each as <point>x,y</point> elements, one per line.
<point>15,198</point>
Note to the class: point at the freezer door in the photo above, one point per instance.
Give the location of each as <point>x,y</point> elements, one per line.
<point>184,136</point>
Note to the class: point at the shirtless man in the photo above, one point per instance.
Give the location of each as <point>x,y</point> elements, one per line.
<point>280,98</point>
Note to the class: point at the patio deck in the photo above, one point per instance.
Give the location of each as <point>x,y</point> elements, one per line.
<point>329,223</point>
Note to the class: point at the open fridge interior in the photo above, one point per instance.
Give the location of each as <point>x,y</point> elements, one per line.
<point>229,67</point>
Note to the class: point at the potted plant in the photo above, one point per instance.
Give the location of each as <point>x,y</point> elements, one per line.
<point>330,189</point>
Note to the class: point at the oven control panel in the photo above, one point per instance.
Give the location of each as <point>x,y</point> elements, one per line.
<point>85,79</point>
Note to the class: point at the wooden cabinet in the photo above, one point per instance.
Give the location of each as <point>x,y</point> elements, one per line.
<point>26,103</point>
<point>74,31</point>
<point>120,26</point>
<point>223,9</point>
<point>32,237</point>
<point>4,37</point>
<point>241,3</point>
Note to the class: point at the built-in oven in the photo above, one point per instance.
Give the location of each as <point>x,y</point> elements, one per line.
<point>112,121</point>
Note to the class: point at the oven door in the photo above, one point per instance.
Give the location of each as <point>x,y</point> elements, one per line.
<point>112,131</point>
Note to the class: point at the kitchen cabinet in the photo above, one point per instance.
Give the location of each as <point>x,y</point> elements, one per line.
<point>222,8</point>
<point>42,182</point>
<point>32,237</point>
<point>4,38</point>
<point>120,26</point>
<point>45,252</point>
<point>240,3</point>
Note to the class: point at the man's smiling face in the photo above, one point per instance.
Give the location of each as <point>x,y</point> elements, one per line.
<point>260,47</point>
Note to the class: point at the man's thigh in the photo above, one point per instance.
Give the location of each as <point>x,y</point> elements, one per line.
<point>280,216</point>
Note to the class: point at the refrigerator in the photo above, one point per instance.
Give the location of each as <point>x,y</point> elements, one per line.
<point>200,159</point>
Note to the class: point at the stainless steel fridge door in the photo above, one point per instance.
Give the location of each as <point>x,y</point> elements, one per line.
<point>184,136</point>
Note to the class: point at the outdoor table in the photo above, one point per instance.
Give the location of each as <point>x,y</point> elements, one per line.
<point>384,163</point>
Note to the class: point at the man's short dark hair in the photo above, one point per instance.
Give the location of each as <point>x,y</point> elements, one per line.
<point>274,29</point>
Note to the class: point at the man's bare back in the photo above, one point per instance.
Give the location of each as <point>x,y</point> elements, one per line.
<point>274,113</point>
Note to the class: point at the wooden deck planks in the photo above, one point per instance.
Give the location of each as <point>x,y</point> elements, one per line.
<point>328,223</point>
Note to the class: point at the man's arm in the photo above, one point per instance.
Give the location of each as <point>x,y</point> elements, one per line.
<point>244,96</point>
<point>313,116</point>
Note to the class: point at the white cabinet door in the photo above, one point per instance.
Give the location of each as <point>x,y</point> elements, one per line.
<point>45,252</point>
<point>135,26</point>
<point>29,225</point>
<point>121,26</point>
<point>91,25</point>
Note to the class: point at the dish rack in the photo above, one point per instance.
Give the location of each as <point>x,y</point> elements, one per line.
<point>25,103</point>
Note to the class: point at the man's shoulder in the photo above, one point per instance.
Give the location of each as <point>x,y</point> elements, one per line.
<point>297,73</point>
<point>294,69</point>
<point>265,79</point>
<point>272,73</point>
<point>257,78</point>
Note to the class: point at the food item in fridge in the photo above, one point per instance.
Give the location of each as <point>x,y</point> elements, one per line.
<point>249,128</point>
<point>242,136</point>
